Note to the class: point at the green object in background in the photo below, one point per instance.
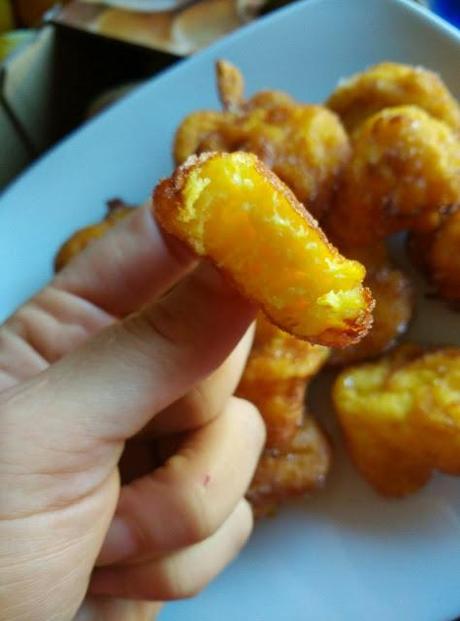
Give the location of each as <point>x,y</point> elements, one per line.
<point>9,41</point>
<point>6,16</point>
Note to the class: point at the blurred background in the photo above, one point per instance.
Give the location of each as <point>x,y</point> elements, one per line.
<point>63,62</point>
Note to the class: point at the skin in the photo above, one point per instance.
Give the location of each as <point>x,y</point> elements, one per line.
<point>101,364</point>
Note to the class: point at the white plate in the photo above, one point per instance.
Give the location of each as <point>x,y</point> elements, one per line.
<point>345,555</point>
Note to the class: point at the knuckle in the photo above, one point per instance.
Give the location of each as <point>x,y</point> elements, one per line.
<point>198,522</point>
<point>201,408</point>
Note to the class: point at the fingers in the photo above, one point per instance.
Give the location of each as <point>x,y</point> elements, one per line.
<point>183,573</point>
<point>116,382</point>
<point>205,400</point>
<point>134,262</point>
<point>186,501</point>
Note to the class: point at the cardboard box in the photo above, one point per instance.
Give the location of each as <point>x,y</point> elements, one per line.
<point>47,86</point>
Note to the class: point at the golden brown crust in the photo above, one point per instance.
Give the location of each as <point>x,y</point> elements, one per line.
<point>299,469</point>
<point>230,85</point>
<point>276,377</point>
<point>388,85</point>
<point>194,130</point>
<point>401,417</point>
<point>394,305</point>
<point>305,145</point>
<point>347,324</point>
<point>403,175</point>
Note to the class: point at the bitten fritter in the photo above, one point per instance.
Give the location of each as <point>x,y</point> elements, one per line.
<point>275,379</point>
<point>438,254</point>
<point>117,210</point>
<point>401,417</point>
<point>388,85</point>
<point>305,145</point>
<point>235,211</point>
<point>394,305</point>
<point>403,175</point>
<point>295,471</point>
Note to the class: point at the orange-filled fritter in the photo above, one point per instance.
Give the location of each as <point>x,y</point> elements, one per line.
<point>394,304</point>
<point>403,175</point>
<point>438,254</point>
<point>305,145</point>
<point>233,210</point>
<point>275,379</point>
<point>388,85</point>
<point>294,471</point>
<point>117,210</point>
<point>401,417</point>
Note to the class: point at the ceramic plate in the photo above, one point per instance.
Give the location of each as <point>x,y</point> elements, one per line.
<point>345,554</point>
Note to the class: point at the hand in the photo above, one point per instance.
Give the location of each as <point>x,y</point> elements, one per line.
<point>98,357</point>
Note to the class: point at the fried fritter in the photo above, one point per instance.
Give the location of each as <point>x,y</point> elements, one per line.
<point>277,373</point>
<point>394,305</point>
<point>117,210</point>
<point>388,85</point>
<point>438,254</point>
<point>403,175</point>
<point>295,471</point>
<point>305,145</point>
<point>401,417</point>
<point>194,129</point>
<point>277,355</point>
<point>235,211</point>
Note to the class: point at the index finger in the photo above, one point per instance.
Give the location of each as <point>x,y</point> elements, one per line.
<point>132,263</point>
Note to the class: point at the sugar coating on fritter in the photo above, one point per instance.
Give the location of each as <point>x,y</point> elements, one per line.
<point>297,470</point>
<point>394,305</point>
<point>388,85</point>
<point>81,239</point>
<point>235,211</point>
<point>403,174</point>
<point>401,417</point>
<point>275,379</point>
<point>305,145</point>
<point>438,254</point>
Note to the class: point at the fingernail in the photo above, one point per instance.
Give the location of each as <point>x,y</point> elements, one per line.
<point>119,543</point>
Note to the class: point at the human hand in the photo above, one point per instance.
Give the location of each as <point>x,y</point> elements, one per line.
<point>99,356</point>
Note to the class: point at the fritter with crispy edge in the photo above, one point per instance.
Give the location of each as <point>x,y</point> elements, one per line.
<point>298,469</point>
<point>388,85</point>
<point>233,210</point>
<point>401,417</point>
<point>275,379</point>
<point>116,210</point>
<point>305,145</point>
<point>403,175</point>
<point>394,306</point>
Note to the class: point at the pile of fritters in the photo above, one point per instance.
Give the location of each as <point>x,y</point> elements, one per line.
<point>395,168</point>
<point>381,156</point>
